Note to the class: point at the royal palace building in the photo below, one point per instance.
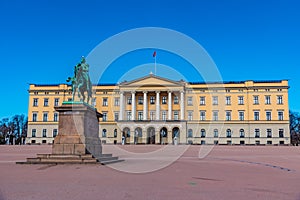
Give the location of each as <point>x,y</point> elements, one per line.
<point>156,110</point>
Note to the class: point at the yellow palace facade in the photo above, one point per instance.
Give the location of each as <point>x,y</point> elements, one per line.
<point>156,110</point>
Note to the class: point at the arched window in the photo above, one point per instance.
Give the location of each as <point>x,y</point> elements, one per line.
<point>242,133</point>
<point>203,133</point>
<point>104,133</point>
<point>228,133</point>
<point>216,133</point>
<point>190,133</point>
<point>115,133</point>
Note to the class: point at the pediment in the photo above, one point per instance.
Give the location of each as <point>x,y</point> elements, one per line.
<point>152,80</point>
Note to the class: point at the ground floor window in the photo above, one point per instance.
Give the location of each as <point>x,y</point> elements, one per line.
<point>228,133</point>
<point>281,142</point>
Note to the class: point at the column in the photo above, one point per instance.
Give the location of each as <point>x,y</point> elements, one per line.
<point>145,106</point>
<point>121,106</point>
<point>181,105</point>
<point>132,105</point>
<point>157,106</point>
<point>169,105</point>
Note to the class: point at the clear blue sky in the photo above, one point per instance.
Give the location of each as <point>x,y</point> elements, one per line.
<point>41,41</point>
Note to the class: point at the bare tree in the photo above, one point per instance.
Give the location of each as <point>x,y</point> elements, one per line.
<point>295,127</point>
<point>14,128</point>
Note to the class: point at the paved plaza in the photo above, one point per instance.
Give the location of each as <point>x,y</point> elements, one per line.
<point>223,172</point>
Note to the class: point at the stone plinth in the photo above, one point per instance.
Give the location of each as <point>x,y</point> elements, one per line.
<point>78,130</point>
<point>77,141</point>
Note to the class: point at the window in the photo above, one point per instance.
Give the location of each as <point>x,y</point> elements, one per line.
<point>215,100</point>
<point>140,100</point>
<point>152,115</point>
<point>255,100</point>
<point>241,115</point>
<point>104,101</point>
<point>176,115</point>
<point>35,102</point>
<point>202,115</point>
<point>176,100</point>
<point>115,133</point>
<point>128,115</point>
<point>256,115</point>
<point>117,101</point>
<point>33,133</point>
<point>257,133</point>
<point>140,115</point>
<point>241,100</point>
<point>104,133</point>
<point>203,134</point>
<point>45,117</point>
<point>55,117</point>
<point>190,133</point>
<point>280,133</point>
<point>279,99</point>
<point>152,99</point>
<point>69,99</point>
<point>46,102</point>
<point>228,115</point>
<point>268,99</point>
<point>44,134</point>
<point>202,100</point>
<point>34,117</point>
<point>54,133</point>
<point>242,133</point>
<point>269,142</point>
<point>268,116</point>
<point>164,115</point>
<point>228,133</point>
<point>215,115</point>
<point>228,100</point>
<point>280,115</point>
<point>116,116</point>
<point>269,133</point>
<point>190,115</point>
<point>129,100</point>
<point>190,101</point>
<point>56,102</point>
<point>104,116</point>
<point>164,100</point>
<point>216,133</point>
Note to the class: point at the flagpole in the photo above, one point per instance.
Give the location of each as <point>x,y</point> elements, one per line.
<point>155,65</point>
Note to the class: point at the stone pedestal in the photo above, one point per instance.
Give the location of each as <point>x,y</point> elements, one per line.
<point>77,141</point>
<point>78,130</point>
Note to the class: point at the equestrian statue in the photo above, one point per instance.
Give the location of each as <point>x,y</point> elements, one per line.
<point>81,82</point>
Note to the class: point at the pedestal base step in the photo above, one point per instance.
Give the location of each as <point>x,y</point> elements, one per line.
<point>104,159</point>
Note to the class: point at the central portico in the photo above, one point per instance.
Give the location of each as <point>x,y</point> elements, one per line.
<point>152,111</point>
